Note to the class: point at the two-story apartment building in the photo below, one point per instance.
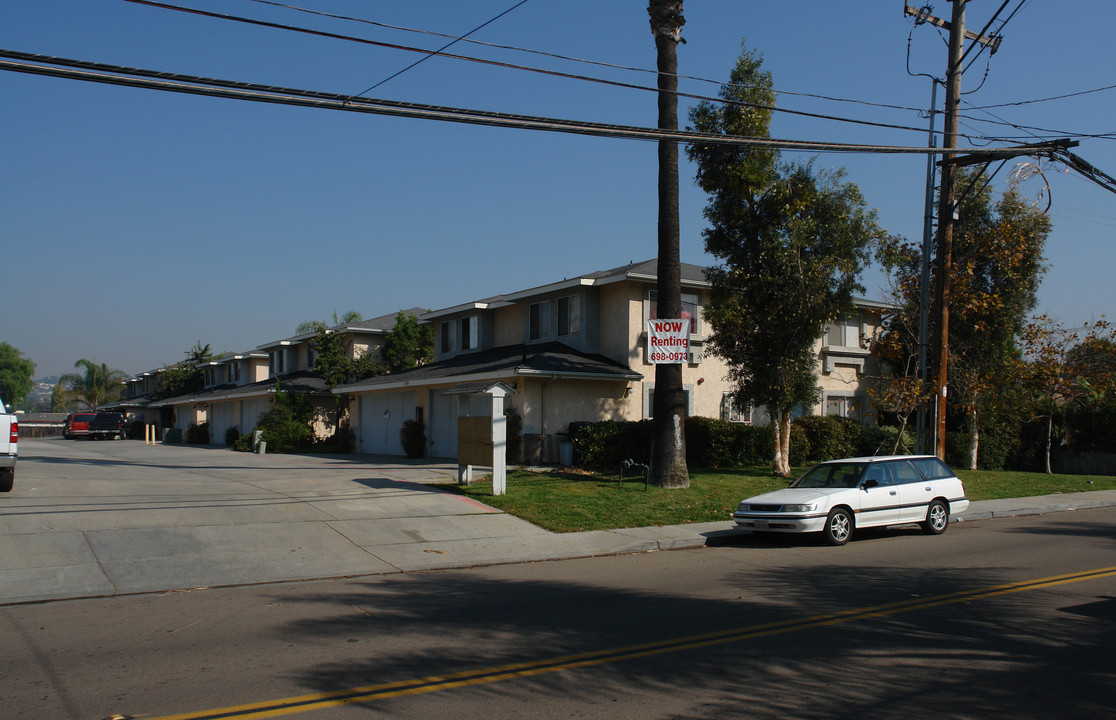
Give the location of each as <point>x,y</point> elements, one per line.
<point>575,350</point>
<point>239,387</point>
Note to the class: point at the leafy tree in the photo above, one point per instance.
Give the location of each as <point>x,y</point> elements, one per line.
<point>309,326</point>
<point>1091,416</point>
<point>15,375</point>
<point>997,267</point>
<point>286,424</point>
<point>408,344</point>
<point>668,449</point>
<point>330,348</point>
<point>791,240</point>
<point>187,376</point>
<point>95,385</point>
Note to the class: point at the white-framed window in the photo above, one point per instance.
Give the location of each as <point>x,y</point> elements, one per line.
<point>847,406</point>
<point>470,333</point>
<point>844,332</point>
<point>649,400</point>
<point>691,309</point>
<point>569,315</point>
<point>234,372</point>
<point>538,321</point>
<point>210,376</point>
<point>733,412</point>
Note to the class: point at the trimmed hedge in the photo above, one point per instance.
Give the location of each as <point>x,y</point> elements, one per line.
<point>721,444</point>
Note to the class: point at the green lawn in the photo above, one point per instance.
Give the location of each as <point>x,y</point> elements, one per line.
<point>574,501</point>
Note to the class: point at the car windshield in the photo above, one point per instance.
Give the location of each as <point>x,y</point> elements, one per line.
<point>832,475</point>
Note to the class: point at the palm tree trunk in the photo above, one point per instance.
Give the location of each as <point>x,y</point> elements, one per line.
<point>668,460</point>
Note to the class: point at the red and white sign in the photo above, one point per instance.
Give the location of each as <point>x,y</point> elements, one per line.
<point>668,341</point>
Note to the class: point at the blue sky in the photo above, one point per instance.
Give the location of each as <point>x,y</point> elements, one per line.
<point>136,222</point>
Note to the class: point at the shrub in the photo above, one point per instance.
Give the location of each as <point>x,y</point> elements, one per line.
<point>828,437</point>
<point>413,437</point>
<point>197,434</point>
<point>607,444</point>
<point>231,436</point>
<point>880,440</point>
<point>722,444</point>
<point>244,442</point>
<point>286,424</point>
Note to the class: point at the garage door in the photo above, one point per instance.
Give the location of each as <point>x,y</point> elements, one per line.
<point>222,416</point>
<point>381,419</point>
<point>250,410</point>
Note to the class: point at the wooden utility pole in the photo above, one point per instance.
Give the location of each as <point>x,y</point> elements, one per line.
<point>945,218</point>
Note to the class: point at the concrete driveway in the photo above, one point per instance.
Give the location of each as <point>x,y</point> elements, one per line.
<point>101,518</point>
<point>96,518</point>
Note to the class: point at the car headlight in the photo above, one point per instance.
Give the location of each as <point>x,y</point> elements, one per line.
<point>798,508</point>
<point>742,507</point>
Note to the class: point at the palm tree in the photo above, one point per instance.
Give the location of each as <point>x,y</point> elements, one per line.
<point>668,449</point>
<point>95,386</point>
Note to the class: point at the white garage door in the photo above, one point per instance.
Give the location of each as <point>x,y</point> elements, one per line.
<point>381,419</point>
<point>222,416</point>
<point>250,410</point>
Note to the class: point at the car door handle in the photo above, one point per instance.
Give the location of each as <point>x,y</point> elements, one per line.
<point>894,493</point>
<point>928,488</point>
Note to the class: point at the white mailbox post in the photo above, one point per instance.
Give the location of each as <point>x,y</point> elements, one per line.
<point>482,440</point>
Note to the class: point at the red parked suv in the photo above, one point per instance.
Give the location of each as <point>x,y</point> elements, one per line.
<point>77,425</point>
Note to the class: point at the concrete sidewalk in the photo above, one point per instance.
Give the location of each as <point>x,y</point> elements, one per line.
<point>100,519</point>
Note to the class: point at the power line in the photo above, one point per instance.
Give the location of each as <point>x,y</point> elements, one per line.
<point>444,47</point>
<point>569,58</point>
<point>512,66</point>
<point>67,68</point>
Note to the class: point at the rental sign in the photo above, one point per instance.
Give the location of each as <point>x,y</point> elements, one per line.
<point>668,341</point>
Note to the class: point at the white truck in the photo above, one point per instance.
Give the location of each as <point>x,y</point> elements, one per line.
<point>9,448</point>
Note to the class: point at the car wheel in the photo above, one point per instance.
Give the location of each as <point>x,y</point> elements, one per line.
<point>937,518</point>
<point>7,480</point>
<point>838,527</point>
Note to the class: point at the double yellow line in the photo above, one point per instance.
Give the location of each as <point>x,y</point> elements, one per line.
<point>434,683</point>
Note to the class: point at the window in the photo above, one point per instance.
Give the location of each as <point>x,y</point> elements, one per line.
<point>276,362</point>
<point>210,377</point>
<point>904,473</point>
<point>691,309</point>
<point>649,400</point>
<point>569,315</point>
<point>847,406</point>
<point>880,473</point>
<point>844,333</point>
<point>932,468</point>
<point>470,335</point>
<point>732,413</point>
<point>446,332</point>
<point>538,321</point>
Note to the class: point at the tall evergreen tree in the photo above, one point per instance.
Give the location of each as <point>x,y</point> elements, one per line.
<point>791,242</point>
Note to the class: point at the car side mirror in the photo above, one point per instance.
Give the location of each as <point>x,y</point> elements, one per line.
<point>870,484</point>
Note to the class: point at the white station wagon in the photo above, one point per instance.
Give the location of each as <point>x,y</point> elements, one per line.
<point>836,497</point>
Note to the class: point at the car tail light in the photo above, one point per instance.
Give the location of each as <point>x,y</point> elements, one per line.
<point>15,432</point>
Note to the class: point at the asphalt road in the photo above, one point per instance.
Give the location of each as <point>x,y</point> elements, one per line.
<point>996,618</point>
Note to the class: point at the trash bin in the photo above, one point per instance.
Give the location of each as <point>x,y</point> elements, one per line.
<point>565,453</point>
